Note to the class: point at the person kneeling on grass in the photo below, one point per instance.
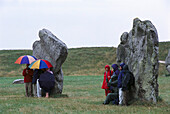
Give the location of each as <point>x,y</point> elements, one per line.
<point>47,81</point>
<point>113,97</point>
<point>28,74</point>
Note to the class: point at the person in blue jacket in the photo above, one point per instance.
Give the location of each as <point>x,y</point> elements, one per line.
<point>119,85</point>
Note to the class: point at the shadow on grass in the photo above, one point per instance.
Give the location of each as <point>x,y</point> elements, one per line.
<point>138,102</point>
<point>59,96</point>
<point>167,75</point>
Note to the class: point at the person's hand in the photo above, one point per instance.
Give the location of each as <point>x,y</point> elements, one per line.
<point>123,89</point>
<point>108,84</point>
<point>26,71</point>
<point>111,88</point>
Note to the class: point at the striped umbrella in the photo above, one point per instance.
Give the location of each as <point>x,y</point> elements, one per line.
<point>25,59</point>
<point>40,64</point>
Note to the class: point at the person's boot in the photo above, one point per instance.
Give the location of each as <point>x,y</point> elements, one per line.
<point>105,103</point>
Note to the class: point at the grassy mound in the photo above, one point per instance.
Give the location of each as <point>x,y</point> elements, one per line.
<point>80,61</point>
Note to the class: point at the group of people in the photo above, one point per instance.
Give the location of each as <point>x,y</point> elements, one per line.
<point>38,77</point>
<point>117,84</point>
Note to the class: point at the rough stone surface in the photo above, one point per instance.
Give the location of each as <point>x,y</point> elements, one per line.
<point>55,51</point>
<point>18,81</point>
<point>167,62</point>
<point>139,50</point>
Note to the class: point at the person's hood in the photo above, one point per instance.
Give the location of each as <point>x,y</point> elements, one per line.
<point>107,66</point>
<point>125,67</point>
<point>115,67</point>
<point>122,64</point>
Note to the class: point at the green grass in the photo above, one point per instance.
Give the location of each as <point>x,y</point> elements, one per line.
<point>163,50</point>
<point>84,96</point>
<point>88,61</point>
<point>7,59</point>
<point>80,61</point>
<point>84,92</point>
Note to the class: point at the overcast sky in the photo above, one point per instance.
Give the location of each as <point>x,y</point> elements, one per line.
<point>78,23</point>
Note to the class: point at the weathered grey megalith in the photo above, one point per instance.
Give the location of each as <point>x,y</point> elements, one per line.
<point>167,62</point>
<point>55,51</point>
<point>139,50</point>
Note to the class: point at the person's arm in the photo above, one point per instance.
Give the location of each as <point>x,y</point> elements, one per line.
<point>114,77</point>
<point>114,84</point>
<point>24,72</point>
<point>119,80</point>
<point>107,78</point>
<point>104,81</point>
<point>30,72</point>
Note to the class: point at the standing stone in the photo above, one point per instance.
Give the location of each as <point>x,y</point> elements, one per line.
<point>167,62</point>
<point>139,50</point>
<point>18,81</point>
<point>55,51</point>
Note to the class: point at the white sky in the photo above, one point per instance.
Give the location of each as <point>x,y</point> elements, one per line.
<point>78,23</point>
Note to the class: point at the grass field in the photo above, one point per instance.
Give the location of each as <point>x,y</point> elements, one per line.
<point>84,96</point>
<point>83,72</point>
<point>80,61</point>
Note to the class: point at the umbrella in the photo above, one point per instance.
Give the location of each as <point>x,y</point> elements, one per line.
<point>40,64</point>
<point>25,59</point>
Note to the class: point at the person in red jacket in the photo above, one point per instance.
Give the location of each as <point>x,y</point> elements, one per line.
<point>28,74</point>
<point>107,75</point>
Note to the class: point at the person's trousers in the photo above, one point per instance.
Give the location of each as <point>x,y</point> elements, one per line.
<point>120,96</point>
<point>107,91</point>
<point>35,90</point>
<point>38,89</point>
<point>110,97</point>
<point>28,89</point>
<point>125,97</point>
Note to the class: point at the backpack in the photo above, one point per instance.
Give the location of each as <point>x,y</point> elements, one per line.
<point>132,79</point>
<point>128,79</point>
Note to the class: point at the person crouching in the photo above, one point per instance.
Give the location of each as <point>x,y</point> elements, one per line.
<point>47,81</point>
<point>107,75</point>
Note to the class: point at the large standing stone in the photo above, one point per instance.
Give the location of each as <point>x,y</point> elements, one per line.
<point>139,50</point>
<point>167,62</point>
<point>55,51</point>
